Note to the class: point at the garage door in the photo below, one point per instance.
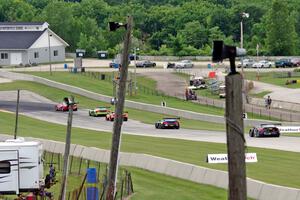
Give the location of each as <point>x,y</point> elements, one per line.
<point>15,58</point>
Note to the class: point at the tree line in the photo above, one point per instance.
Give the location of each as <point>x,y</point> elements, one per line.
<point>167,27</point>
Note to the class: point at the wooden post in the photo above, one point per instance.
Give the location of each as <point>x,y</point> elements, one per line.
<point>235,137</point>
<point>81,187</point>
<point>71,163</point>
<point>17,114</point>
<point>62,195</point>
<point>98,171</point>
<point>116,138</point>
<point>88,164</point>
<point>79,168</point>
<point>58,161</point>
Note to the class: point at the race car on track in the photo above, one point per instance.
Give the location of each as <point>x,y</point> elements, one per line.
<point>100,111</point>
<point>264,130</point>
<point>168,123</point>
<point>111,116</point>
<point>64,106</point>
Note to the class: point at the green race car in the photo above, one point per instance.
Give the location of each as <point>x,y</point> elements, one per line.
<point>100,111</point>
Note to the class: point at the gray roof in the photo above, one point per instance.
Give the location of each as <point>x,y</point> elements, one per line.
<point>21,23</point>
<point>18,39</point>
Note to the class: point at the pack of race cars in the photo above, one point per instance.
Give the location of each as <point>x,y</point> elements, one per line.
<point>262,130</point>
<point>100,111</point>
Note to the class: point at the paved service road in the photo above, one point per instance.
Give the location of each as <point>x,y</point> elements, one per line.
<point>38,107</point>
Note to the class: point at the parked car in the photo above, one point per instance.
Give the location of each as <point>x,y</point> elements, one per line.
<point>100,111</point>
<point>283,63</point>
<point>145,63</point>
<point>133,57</point>
<point>111,116</point>
<point>64,106</point>
<point>295,62</point>
<point>114,64</point>
<point>168,123</point>
<point>184,64</point>
<point>246,63</point>
<point>264,130</point>
<point>262,64</point>
<point>169,65</point>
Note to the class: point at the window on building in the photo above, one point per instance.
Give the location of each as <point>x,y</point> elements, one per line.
<point>4,55</point>
<point>36,54</point>
<point>4,167</point>
<point>55,52</point>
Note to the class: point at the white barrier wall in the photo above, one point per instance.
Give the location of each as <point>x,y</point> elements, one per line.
<point>255,189</point>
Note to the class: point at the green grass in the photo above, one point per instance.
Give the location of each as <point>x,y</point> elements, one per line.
<point>148,96</point>
<point>146,184</point>
<point>207,93</point>
<point>268,77</point>
<point>260,94</point>
<point>105,87</point>
<point>146,117</point>
<point>273,166</point>
<point>149,186</point>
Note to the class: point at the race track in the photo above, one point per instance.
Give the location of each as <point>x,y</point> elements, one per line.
<point>38,107</point>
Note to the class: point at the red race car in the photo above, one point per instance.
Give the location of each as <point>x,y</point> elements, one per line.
<point>64,106</point>
<point>111,116</point>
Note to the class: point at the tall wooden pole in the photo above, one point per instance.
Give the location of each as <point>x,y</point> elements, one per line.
<point>235,136</point>
<point>114,154</point>
<point>62,195</point>
<point>49,49</point>
<point>17,115</point>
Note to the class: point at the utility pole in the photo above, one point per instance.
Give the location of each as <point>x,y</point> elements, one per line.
<point>49,49</point>
<point>135,58</point>
<point>62,195</point>
<point>244,92</point>
<point>17,115</point>
<point>235,137</point>
<point>116,138</point>
<point>234,122</point>
<point>242,44</point>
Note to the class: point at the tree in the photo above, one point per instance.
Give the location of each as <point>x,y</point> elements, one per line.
<point>281,35</point>
<point>176,43</point>
<point>195,34</point>
<point>60,18</point>
<point>16,10</point>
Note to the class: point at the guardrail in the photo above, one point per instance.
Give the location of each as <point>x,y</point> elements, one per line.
<point>255,189</point>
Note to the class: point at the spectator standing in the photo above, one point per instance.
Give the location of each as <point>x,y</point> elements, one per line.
<point>269,102</point>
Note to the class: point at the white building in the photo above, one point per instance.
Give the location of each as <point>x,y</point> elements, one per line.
<point>23,43</point>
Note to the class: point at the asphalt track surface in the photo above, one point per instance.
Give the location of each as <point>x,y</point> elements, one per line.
<point>35,106</point>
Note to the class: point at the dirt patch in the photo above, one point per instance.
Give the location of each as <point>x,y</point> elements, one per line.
<point>169,83</point>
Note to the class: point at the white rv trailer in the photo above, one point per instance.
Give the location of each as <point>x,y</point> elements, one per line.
<point>21,166</point>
